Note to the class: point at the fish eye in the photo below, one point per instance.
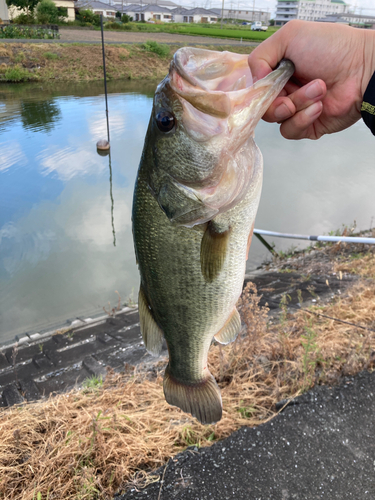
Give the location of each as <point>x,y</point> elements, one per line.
<point>165,121</point>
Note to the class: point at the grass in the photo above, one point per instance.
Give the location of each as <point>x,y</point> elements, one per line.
<point>160,49</point>
<point>17,74</point>
<point>213,30</point>
<point>88,444</point>
<point>51,55</point>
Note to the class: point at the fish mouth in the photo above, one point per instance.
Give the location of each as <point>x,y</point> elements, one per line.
<point>220,85</point>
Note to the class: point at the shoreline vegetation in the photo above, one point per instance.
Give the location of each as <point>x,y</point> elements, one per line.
<point>109,436</point>
<point>28,62</point>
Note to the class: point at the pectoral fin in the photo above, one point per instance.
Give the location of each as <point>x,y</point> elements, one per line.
<point>230,330</point>
<point>214,248</point>
<point>152,335</point>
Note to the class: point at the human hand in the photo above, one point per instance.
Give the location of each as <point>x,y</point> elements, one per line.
<point>334,64</point>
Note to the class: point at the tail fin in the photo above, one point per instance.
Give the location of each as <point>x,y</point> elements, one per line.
<point>202,400</point>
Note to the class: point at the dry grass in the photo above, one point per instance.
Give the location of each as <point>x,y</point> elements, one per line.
<point>84,62</point>
<point>88,444</point>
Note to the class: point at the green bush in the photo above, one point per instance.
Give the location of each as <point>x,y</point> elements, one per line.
<point>48,13</point>
<point>126,19</point>
<point>24,19</point>
<point>16,74</point>
<point>87,16</point>
<point>127,27</point>
<point>160,49</point>
<point>113,26</point>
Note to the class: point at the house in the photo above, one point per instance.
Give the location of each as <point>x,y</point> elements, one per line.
<point>122,5</point>
<point>244,15</point>
<point>308,10</point>
<point>69,5</point>
<point>4,15</point>
<point>149,12</point>
<point>356,20</point>
<point>99,8</point>
<point>197,15</point>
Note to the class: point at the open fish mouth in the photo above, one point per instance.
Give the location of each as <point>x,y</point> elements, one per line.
<point>220,84</point>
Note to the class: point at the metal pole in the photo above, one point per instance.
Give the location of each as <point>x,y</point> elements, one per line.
<point>105,75</point>
<point>222,15</point>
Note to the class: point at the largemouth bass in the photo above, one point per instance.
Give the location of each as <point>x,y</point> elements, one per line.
<point>195,201</point>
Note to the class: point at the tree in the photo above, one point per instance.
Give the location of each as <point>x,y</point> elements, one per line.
<point>28,5</point>
<point>47,12</point>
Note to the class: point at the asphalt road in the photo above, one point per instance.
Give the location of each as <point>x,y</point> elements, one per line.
<point>321,448</point>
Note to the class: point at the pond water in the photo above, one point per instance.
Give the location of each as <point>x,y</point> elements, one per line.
<point>65,212</point>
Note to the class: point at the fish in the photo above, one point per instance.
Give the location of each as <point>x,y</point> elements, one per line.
<point>195,199</point>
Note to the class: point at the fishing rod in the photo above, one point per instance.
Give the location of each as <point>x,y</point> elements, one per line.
<point>330,239</point>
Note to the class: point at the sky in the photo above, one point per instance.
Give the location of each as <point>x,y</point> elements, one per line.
<point>364,7</point>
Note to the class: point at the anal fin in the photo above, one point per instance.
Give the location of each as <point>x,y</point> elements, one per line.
<point>214,247</point>
<point>202,399</point>
<point>151,333</point>
<point>230,330</point>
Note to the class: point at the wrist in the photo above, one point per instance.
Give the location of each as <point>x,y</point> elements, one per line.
<point>368,58</point>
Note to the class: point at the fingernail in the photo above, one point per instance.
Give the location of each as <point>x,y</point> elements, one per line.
<point>314,108</point>
<point>314,90</point>
<point>282,112</point>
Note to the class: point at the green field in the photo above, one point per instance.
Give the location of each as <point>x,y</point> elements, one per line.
<point>213,30</point>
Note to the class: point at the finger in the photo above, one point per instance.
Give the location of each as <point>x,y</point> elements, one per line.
<point>264,58</point>
<point>300,125</point>
<point>308,94</point>
<point>283,107</point>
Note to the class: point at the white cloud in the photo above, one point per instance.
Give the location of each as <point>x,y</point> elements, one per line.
<point>70,162</point>
<point>11,154</point>
<point>90,222</point>
<point>98,127</point>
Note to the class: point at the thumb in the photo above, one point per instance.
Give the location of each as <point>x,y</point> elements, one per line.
<point>264,58</point>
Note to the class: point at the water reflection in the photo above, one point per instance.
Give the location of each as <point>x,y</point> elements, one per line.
<point>40,116</point>
<point>112,201</point>
<point>61,255</point>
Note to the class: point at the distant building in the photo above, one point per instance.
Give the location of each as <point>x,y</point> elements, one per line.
<point>122,4</point>
<point>356,20</point>
<point>69,5</point>
<point>4,16</point>
<point>197,15</point>
<point>97,7</point>
<point>308,10</point>
<point>148,12</point>
<point>245,15</point>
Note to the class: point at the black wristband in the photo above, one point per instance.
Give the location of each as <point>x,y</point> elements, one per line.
<point>368,105</point>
